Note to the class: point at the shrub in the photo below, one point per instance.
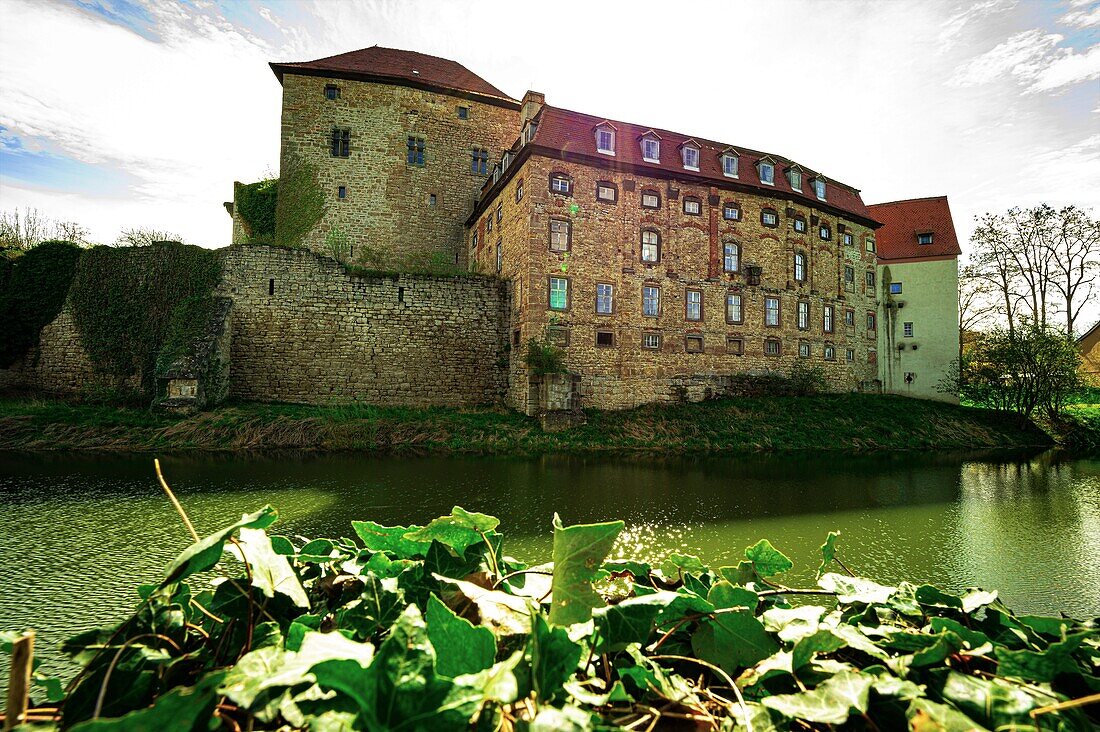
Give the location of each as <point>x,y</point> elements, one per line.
<point>33,288</point>
<point>543,358</point>
<point>256,204</point>
<point>805,380</point>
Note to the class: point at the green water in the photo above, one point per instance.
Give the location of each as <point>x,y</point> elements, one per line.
<point>78,534</point>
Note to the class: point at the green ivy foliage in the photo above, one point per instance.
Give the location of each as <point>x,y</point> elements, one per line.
<point>436,627</point>
<point>188,324</point>
<point>256,204</point>
<point>299,205</point>
<point>32,291</point>
<point>123,300</point>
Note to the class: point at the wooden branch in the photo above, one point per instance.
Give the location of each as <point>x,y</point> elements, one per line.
<point>22,660</point>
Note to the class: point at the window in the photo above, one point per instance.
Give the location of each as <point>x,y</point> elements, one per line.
<point>827,319</point>
<point>651,199</point>
<point>473,241</point>
<point>561,183</point>
<point>825,232</point>
<point>772,347</point>
<point>850,318</point>
<point>803,349</point>
<point>464,113</point>
<point>799,223</point>
<point>800,267</point>
<point>907,330</point>
<point>693,305</point>
<point>341,143</point>
<point>819,188</point>
<point>767,173</point>
<point>849,355</point>
<point>693,344</point>
<point>870,321</point>
<point>500,256</point>
<point>771,312</point>
<point>769,217</point>
<point>500,212</point>
<point>729,165</point>
<point>735,346</point>
<point>605,338</point>
<point>479,161</point>
<point>651,246</point>
<point>431,200</point>
<point>830,352</point>
<point>895,288</point>
<point>559,293</point>
<point>489,224</point>
<point>849,277</point>
<point>415,154</point>
<point>651,300</point>
<point>870,245</point>
<point>651,341</point>
<point>605,140</point>
<point>605,298</point>
<point>848,241</point>
<point>691,157</point>
<point>651,150</point>
<point>794,175</point>
<point>342,192</point>
<point>731,212</point>
<point>731,256</point>
<point>519,190</point>
<point>561,235</point>
<point>607,192</point>
<point>925,238</point>
<point>803,315</point>
<point>332,91</point>
<point>692,206</point>
<point>870,279</point>
<point>734,314</point>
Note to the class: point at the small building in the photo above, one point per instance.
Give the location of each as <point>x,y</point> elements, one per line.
<point>918,265</point>
<point>1089,345</point>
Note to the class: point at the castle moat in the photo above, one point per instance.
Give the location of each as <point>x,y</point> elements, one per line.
<point>81,532</point>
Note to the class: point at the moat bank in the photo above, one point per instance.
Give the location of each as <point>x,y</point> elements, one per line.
<point>835,422</point>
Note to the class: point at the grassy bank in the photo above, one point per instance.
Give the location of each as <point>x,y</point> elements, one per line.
<point>827,422</point>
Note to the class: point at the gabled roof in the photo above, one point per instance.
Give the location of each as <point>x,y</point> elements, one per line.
<point>404,68</point>
<point>903,220</point>
<point>569,132</point>
<point>1088,333</point>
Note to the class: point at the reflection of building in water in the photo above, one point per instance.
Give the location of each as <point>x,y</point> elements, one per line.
<point>999,546</point>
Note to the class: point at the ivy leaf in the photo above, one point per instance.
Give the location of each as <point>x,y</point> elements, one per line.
<point>677,565</point>
<point>179,710</point>
<point>742,574</point>
<point>855,589</point>
<point>975,599</point>
<point>204,554</point>
<point>554,657</point>
<point>828,552</point>
<point>271,572</point>
<point>630,621</point>
<point>502,613</point>
<point>822,641</point>
<point>379,605</point>
<point>731,640</point>
<point>934,597</point>
<point>460,646</point>
<point>1040,666</point>
<point>993,702</point>
<point>793,624</point>
<point>926,715</point>
<point>579,552</point>
<point>767,560</point>
<point>459,530</point>
<point>831,702</point>
<point>391,539</point>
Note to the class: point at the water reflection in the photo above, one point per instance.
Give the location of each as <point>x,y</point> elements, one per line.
<point>80,533</point>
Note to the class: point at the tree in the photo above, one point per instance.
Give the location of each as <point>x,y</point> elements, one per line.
<point>143,237</point>
<point>29,228</point>
<point>977,304</point>
<point>1075,252</point>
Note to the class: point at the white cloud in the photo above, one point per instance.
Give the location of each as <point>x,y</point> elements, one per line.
<point>1068,68</point>
<point>1024,55</point>
<point>954,25</point>
<point>1087,18</point>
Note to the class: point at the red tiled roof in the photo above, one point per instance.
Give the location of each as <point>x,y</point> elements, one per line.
<point>574,132</point>
<point>396,66</point>
<point>903,220</point>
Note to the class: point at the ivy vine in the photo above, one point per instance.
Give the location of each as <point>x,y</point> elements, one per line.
<point>33,287</point>
<point>300,203</point>
<point>255,204</point>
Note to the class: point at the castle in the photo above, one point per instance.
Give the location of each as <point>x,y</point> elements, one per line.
<point>663,265</point>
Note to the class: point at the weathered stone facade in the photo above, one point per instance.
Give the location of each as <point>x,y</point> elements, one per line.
<point>306,331</point>
<point>605,248</point>
<point>393,212</point>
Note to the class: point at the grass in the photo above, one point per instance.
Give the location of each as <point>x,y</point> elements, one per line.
<point>851,422</point>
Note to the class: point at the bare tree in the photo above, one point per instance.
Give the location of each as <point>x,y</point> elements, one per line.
<point>143,237</point>
<point>978,308</point>
<point>29,228</point>
<point>1074,244</point>
<point>1031,231</point>
<point>994,262</point>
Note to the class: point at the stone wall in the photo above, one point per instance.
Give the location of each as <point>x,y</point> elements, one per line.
<point>59,365</point>
<point>605,249</point>
<point>305,331</point>
<point>393,212</point>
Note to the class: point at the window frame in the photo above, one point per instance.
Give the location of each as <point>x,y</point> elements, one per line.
<point>849,318</point>
<point>568,234</point>
<point>736,257</point>
<point>802,320</point>
<point>500,256</point>
<point>829,352</point>
<point>799,266</point>
<point>727,206</point>
<point>778,311</point>
<point>736,164</point>
<point>415,154</point>
<point>796,221</point>
<point>657,289</point>
<point>825,232</point>
<point>849,240</point>
<point>500,212</point>
<point>819,188</point>
<point>550,293</point>
<point>611,132</point>
<point>519,190</point>
<point>332,92</point>
<point>870,244</point>
<point>479,161</point>
<point>898,286</point>
<point>340,142</point>
<point>650,192</point>
<point>341,193</point>
<point>561,175</point>
<point>828,318</point>
<point>907,329</point>
<point>694,338</point>
<point>778,343</point>
<point>739,349</point>
<point>870,279</point>
<point>740,308</point>
<point>688,293</point>
<point>872,321</point>
<point>606,184</point>
<point>760,165</point>
<point>804,349</point>
<point>611,306</point>
<point>698,205</point>
<point>766,211</point>
<point>651,334</point>
<point>606,332</point>
<point>642,245</point>
<point>657,146</point>
<point>684,154</point>
<point>463,112</point>
<point>791,173</point>
<point>921,235</point>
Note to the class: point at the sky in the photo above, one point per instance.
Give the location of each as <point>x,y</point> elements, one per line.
<point>125,113</point>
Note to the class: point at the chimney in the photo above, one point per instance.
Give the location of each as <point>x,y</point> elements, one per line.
<point>532,103</point>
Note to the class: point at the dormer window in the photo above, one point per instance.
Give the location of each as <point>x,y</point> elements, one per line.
<point>690,155</point>
<point>819,188</point>
<point>766,170</point>
<point>729,164</point>
<point>794,177</point>
<point>924,238</point>
<point>651,148</point>
<point>605,139</point>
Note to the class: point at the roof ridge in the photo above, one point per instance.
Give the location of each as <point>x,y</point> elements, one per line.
<point>909,200</point>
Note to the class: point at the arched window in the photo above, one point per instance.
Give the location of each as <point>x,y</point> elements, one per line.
<point>800,267</point>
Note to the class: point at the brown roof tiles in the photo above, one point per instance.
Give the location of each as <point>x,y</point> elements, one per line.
<point>902,221</point>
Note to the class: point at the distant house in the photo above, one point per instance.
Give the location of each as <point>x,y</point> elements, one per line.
<point>1089,345</point>
<point>918,268</point>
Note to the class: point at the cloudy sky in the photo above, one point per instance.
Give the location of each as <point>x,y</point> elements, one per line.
<point>126,113</point>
